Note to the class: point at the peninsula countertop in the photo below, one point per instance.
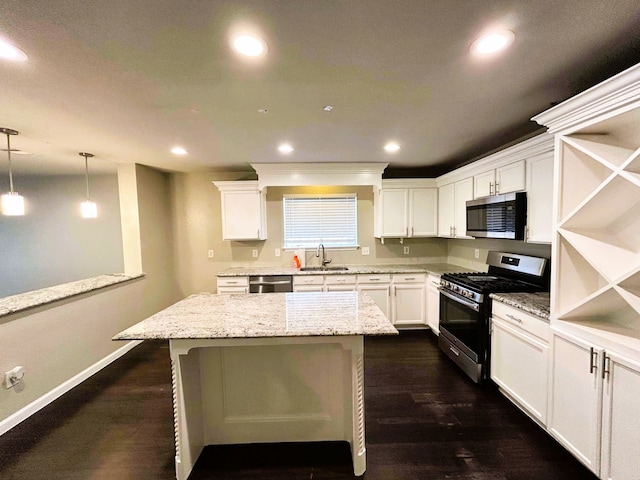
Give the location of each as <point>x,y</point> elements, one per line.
<point>207,315</point>
<point>434,268</point>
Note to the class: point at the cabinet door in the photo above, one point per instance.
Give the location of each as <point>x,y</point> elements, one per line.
<point>394,207</point>
<point>519,365</point>
<point>484,184</point>
<point>433,303</point>
<point>242,214</point>
<point>423,212</point>
<point>540,198</point>
<point>409,304</point>
<point>379,294</point>
<point>463,192</point>
<point>227,290</point>
<point>446,210</point>
<point>575,398</point>
<point>620,419</point>
<point>510,178</point>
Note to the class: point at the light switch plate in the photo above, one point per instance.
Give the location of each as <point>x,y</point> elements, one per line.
<point>277,252</point>
<point>406,249</point>
<point>254,253</point>
<point>365,250</point>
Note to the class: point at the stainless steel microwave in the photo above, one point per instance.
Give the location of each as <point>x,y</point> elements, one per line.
<point>498,216</point>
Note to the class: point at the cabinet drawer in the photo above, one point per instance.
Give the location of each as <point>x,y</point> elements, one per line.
<point>233,281</point>
<point>529,323</point>
<point>340,279</point>
<point>308,280</point>
<point>385,278</point>
<point>409,278</point>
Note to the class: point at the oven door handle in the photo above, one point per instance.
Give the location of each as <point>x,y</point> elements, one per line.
<point>467,303</point>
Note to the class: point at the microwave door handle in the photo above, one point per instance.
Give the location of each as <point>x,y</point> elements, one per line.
<point>472,305</point>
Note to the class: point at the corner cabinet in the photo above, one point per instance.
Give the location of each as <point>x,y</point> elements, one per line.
<point>243,210</point>
<point>452,208</point>
<point>540,198</point>
<point>406,209</point>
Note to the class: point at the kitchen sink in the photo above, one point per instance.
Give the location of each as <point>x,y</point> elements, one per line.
<point>323,269</point>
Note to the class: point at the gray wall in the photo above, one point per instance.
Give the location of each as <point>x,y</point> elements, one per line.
<point>52,243</point>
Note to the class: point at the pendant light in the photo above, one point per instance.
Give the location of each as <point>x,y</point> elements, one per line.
<point>12,202</point>
<point>88,208</point>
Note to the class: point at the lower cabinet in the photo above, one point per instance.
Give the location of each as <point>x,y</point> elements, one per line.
<point>308,283</point>
<point>378,288</point>
<point>233,285</point>
<point>408,299</point>
<point>520,358</point>
<point>594,406</point>
<point>433,303</point>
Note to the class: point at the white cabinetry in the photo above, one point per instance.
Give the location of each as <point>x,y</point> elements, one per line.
<point>504,179</point>
<point>243,210</point>
<point>408,299</point>
<point>340,283</point>
<point>540,198</point>
<point>406,208</point>
<point>308,283</point>
<point>452,208</point>
<point>594,414</point>
<point>378,288</point>
<point>433,303</point>
<point>520,358</point>
<point>233,285</point>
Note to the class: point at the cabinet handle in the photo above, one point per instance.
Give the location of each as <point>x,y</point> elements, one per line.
<point>496,188</point>
<point>454,230</point>
<point>454,351</point>
<point>514,318</point>
<point>490,185</point>
<point>592,354</point>
<point>412,231</point>
<point>231,283</point>
<point>606,365</point>
<point>409,278</point>
<point>374,279</point>
<point>258,233</point>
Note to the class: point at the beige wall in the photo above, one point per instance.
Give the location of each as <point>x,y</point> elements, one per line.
<point>198,228</point>
<point>462,252</point>
<point>56,342</point>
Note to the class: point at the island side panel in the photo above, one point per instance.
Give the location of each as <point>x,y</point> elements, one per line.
<point>355,411</point>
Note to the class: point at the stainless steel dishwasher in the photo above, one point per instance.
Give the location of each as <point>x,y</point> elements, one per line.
<point>270,283</point>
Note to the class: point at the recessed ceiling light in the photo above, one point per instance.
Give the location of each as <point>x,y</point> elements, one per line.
<point>178,151</point>
<point>327,108</point>
<point>263,110</point>
<point>285,148</point>
<point>11,52</point>
<point>249,45</point>
<point>392,147</point>
<point>493,42</point>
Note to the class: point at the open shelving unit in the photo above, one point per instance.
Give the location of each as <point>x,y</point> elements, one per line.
<point>598,225</point>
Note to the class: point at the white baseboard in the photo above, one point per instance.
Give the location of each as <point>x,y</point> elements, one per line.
<point>25,412</point>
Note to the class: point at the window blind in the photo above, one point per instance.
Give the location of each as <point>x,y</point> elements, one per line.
<point>328,219</point>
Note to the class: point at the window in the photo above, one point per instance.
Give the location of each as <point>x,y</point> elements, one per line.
<point>328,219</point>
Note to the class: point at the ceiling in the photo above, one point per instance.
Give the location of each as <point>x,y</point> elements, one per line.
<point>129,79</point>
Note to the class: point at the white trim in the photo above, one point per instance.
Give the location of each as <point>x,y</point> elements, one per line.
<point>318,174</point>
<point>612,94</point>
<point>28,410</point>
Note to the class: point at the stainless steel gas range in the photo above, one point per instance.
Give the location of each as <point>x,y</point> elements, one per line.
<point>465,306</point>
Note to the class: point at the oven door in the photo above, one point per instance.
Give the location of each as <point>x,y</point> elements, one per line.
<point>463,333</point>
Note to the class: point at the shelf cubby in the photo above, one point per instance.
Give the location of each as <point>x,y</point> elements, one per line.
<point>632,166</point>
<point>586,174</point>
<point>577,278</point>
<point>604,148</point>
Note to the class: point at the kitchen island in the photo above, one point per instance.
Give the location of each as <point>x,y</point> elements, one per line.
<point>280,367</point>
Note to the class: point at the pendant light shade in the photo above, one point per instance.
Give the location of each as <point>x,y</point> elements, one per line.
<point>12,202</point>
<point>88,208</point>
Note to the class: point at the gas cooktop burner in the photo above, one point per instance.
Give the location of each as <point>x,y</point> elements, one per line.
<point>481,278</point>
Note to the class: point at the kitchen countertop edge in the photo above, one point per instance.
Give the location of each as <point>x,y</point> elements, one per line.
<point>429,268</point>
<point>537,304</point>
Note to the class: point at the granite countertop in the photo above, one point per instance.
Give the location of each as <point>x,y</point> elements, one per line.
<point>433,268</point>
<point>207,315</point>
<point>534,303</point>
<point>43,296</point>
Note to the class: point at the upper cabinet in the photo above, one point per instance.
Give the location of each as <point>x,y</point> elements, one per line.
<point>452,210</point>
<point>243,210</point>
<point>504,179</point>
<point>406,208</point>
<point>540,198</point>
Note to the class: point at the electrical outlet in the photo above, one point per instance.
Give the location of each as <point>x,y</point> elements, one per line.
<point>254,253</point>
<point>477,253</point>
<point>210,254</point>
<point>13,376</point>
<point>277,252</point>
<point>365,250</point>
<point>406,249</point>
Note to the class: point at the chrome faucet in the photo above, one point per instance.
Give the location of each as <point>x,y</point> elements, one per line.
<point>324,255</point>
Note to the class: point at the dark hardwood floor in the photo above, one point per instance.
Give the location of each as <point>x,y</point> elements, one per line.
<point>424,420</point>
